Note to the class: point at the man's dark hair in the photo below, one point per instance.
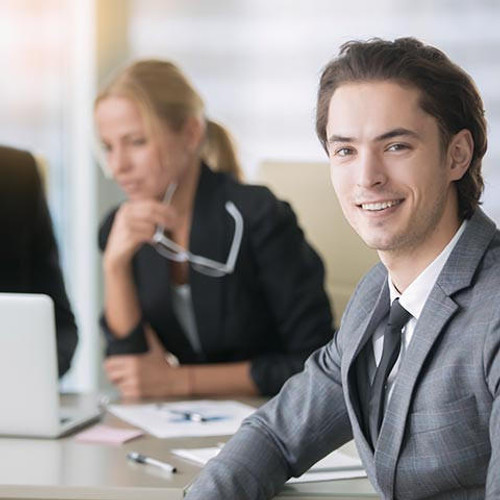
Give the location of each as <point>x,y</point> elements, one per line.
<point>448,94</point>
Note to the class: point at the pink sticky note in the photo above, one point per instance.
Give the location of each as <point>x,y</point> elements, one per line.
<point>108,435</point>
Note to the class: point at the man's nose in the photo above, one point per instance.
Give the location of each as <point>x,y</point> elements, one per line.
<point>371,171</point>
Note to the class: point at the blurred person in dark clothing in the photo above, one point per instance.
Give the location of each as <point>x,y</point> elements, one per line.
<point>29,259</point>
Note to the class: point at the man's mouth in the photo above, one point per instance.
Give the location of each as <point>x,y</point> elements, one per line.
<point>379,205</point>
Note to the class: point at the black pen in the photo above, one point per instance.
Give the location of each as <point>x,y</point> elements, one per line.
<point>143,459</point>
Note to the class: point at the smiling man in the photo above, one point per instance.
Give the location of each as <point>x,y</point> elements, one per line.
<point>392,175</point>
<point>413,374</point>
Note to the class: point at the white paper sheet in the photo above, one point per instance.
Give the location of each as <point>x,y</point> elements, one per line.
<point>222,417</point>
<point>336,465</point>
<point>331,475</point>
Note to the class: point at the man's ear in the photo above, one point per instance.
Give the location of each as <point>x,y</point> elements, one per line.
<point>460,152</point>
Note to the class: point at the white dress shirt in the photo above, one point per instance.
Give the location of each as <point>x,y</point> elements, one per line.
<point>413,299</point>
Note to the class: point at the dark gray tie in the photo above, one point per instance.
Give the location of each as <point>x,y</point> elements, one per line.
<point>398,317</point>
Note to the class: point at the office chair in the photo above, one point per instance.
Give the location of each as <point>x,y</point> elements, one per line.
<point>307,187</point>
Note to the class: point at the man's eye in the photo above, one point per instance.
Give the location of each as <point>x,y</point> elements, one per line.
<point>139,141</point>
<point>397,147</point>
<point>343,152</point>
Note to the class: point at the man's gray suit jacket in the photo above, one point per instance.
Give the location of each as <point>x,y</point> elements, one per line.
<point>440,437</point>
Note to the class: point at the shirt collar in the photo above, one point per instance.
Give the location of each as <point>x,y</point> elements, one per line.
<point>415,296</point>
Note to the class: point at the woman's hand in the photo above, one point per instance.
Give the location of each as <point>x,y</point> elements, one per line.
<point>147,375</point>
<point>135,224</point>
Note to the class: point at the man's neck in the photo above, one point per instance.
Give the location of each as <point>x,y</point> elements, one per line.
<point>405,265</point>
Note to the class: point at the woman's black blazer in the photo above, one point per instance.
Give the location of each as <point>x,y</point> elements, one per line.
<point>272,310</point>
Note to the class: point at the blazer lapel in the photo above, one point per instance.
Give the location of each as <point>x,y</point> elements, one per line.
<point>372,307</point>
<point>152,275</point>
<point>436,314</point>
<point>210,237</point>
<point>456,275</point>
<point>376,308</point>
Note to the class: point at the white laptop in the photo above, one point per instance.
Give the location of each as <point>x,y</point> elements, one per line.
<point>29,390</point>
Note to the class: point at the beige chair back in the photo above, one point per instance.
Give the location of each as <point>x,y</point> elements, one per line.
<point>43,171</point>
<point>307,187</point>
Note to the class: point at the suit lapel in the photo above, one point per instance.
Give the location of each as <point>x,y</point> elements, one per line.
<point>376,306</point>
<point>210,237</point>
<point>438,311</point>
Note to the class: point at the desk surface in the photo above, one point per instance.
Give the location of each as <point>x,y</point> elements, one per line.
<point>64,468</point>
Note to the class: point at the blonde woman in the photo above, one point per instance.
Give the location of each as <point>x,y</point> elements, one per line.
<point>210,287</point>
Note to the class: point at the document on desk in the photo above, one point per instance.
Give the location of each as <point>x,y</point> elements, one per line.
<point>185,418</point>
<point>336,465</point>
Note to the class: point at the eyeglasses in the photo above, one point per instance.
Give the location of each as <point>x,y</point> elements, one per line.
<point>172,251</point>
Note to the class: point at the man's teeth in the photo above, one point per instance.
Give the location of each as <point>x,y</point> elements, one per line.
<point>379,206</point>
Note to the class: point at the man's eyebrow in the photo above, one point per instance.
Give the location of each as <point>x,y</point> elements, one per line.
<point>397,132</point>
<point>339,138</point>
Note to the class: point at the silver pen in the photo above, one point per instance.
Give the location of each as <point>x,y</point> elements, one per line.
<point>143,459</point>
<point>193,416</point>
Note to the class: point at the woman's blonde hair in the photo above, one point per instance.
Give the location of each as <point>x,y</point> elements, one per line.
<point>165,95</point>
